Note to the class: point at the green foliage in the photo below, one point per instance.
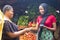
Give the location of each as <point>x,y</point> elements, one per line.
<point>32,11</point>
<point>23,20</point>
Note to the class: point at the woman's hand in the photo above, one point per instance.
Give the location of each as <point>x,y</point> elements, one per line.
<point>45,26</point>
<point>53,28</point>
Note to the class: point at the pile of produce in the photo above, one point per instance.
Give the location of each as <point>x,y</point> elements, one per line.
<point>28,36</point>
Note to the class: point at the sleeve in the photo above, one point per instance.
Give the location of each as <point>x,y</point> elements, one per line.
<point>7,27</point>
<point>53,19</point>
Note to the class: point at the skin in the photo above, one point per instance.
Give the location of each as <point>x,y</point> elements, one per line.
<point>9,15</point>
<point>41,10</point>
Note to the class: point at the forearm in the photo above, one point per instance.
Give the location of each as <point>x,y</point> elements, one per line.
<point>16,34</point>
<point>19,33</point>
<point>52,29</point>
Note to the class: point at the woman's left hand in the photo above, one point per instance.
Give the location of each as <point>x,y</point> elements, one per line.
<point>45,26</point>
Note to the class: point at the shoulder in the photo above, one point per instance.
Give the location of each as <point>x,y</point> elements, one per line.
<point>39,17</point>
<point>52,16</point>
<point>6,22</point>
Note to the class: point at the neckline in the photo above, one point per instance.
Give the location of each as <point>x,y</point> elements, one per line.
<point>6,18</point>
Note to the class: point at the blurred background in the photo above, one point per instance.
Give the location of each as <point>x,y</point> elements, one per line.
<point>23,7</point>
<point>27,10</point>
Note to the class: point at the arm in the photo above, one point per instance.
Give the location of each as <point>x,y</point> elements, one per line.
<point>53,20</point>
<point>54,27</point>
<point>16,34</point>
<point>8,29</point>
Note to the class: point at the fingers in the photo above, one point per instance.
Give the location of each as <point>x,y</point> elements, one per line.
<point>27,29</point>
